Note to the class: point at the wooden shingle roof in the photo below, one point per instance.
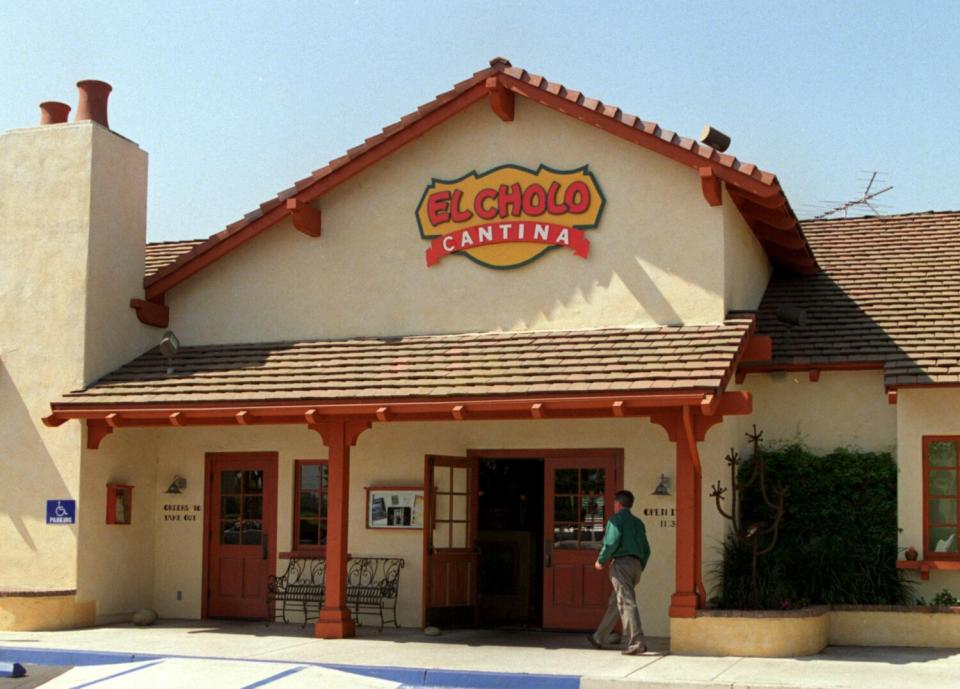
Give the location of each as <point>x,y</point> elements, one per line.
<point>888,295</point>
<point>663,359</point>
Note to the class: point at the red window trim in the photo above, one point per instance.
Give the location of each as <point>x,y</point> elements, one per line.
<point>297,547</point>
<point>927,439</point>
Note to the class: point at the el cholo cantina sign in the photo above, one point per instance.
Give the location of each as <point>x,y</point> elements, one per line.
<point>509,216</point>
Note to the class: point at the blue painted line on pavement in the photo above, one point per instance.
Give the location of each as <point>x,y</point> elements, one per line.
<point>273,678</point>
<point>409,676</point>
<point>116,674</point>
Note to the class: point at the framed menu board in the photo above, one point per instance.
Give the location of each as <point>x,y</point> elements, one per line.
<point>394,507</point>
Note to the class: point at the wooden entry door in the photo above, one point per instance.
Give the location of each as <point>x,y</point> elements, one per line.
<point>578,495</point>
<point>241,545</point>
<point>451,488</point>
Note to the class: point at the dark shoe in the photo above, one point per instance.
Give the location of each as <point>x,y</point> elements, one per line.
<point>592,640</point>
<point>634,650</point>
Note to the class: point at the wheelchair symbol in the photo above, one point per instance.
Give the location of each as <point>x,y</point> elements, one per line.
<point>60,511</point>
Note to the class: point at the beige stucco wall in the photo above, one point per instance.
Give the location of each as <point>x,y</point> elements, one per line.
<point>393,454</point>
<point>72,227</point>
<point>653,259</point>
<point>115,561</point>
<point>745,263</point>
<point>920,412</point>
<point>842,409</point>
<point>775,636</point>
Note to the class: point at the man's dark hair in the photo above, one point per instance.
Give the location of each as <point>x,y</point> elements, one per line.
<point>625,498</point>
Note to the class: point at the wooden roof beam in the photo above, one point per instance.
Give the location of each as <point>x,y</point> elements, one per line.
<point>306,218</point>
<point>501,99</point>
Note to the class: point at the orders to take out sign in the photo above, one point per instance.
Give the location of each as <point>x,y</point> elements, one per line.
<point>510,215</point>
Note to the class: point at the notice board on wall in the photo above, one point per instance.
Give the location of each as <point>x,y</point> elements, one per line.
<point>393,507</point>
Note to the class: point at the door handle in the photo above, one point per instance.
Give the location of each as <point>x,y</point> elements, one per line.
<point>264,545</point>
<point>547,547</point>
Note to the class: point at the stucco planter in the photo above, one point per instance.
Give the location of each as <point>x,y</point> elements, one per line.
<point>893,625</point>
<point>753,633</point>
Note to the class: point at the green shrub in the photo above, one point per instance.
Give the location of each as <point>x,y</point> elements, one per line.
<point>837,542</point>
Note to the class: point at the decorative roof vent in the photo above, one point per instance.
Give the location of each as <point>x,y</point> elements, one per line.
<point>714,138</point>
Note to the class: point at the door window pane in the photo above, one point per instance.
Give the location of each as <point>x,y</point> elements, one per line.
<point>253,507</point>
<point>565,481</point>
<point>942,453</point>
<point>579,513</point>
<point>565,536</point>
<point>460,475</point>
<point>458,537</point>
<point>253,481</point>
<point>230,531</point>
<point>230,507</point>
<point>460,507</point>
<point>441,535</point>
<point>441,478</point>
<point>565,508</point>
<point>230,482</point>
<point>592,481</point>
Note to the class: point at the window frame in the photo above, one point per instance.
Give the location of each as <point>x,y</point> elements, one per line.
<point>308,548</point>
<point>925,479</point>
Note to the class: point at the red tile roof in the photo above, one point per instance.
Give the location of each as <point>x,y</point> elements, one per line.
<point>654,360</point>
<point>757,191</point>
<point>888,294</point>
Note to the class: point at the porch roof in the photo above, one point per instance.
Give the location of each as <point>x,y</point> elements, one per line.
<point>662,359</point>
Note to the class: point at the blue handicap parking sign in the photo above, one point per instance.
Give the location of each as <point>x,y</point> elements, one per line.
<point>61,511</point>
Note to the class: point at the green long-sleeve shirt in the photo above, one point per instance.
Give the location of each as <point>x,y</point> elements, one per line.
<point>625,535</point>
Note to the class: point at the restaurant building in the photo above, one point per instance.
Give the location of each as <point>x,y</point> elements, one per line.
<point>452,346</point>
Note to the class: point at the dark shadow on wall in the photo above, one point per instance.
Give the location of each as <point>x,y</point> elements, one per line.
<point>29,474</point>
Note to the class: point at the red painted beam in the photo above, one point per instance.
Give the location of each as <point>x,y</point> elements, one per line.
<point>711,186</point>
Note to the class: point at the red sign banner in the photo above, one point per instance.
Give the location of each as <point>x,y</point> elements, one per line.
<point>508,232</point>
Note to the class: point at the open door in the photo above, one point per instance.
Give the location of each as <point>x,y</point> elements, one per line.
<point>578,500</point>
<point>450,535</point>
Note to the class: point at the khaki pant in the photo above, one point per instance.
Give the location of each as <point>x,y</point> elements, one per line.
<point>624,575</point>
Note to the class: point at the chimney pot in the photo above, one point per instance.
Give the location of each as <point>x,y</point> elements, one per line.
<point>93,101</point>
<point>53,112</point>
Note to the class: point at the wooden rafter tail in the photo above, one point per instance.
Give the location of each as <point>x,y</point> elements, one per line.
<point>711,186</point>
<point>152,313</point>
<point>306,218</point>
<point>501,99</point>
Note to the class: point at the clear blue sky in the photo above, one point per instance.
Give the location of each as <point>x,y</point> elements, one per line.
<point>236,100</point>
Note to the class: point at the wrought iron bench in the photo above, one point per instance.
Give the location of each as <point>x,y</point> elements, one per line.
<point>301,584</point>
<point>373,585</point>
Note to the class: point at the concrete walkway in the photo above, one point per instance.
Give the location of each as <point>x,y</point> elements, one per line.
<point>246,655</point>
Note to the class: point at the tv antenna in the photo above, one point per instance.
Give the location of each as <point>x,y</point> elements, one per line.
<point>865,199</point>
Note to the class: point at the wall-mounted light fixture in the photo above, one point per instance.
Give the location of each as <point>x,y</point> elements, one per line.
<point>169,346</point>
<point>178,485</point>
<point>663,487</point>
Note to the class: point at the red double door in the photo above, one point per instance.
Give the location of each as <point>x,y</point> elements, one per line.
<point>578,492</point>
<point>241,530</point>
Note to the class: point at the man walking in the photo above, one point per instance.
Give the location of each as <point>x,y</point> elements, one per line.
<point>625,544</point>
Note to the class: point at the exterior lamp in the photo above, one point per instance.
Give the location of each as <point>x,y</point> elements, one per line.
<point>177,486</point>
<point>663,487</point>
<point>169,346</point>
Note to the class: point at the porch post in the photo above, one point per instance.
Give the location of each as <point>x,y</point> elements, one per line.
<point>688,592</point>
<point>334,620</point>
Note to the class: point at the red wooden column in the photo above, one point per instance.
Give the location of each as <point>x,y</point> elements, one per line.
<point>339,435</point>
<point>688,591</point>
